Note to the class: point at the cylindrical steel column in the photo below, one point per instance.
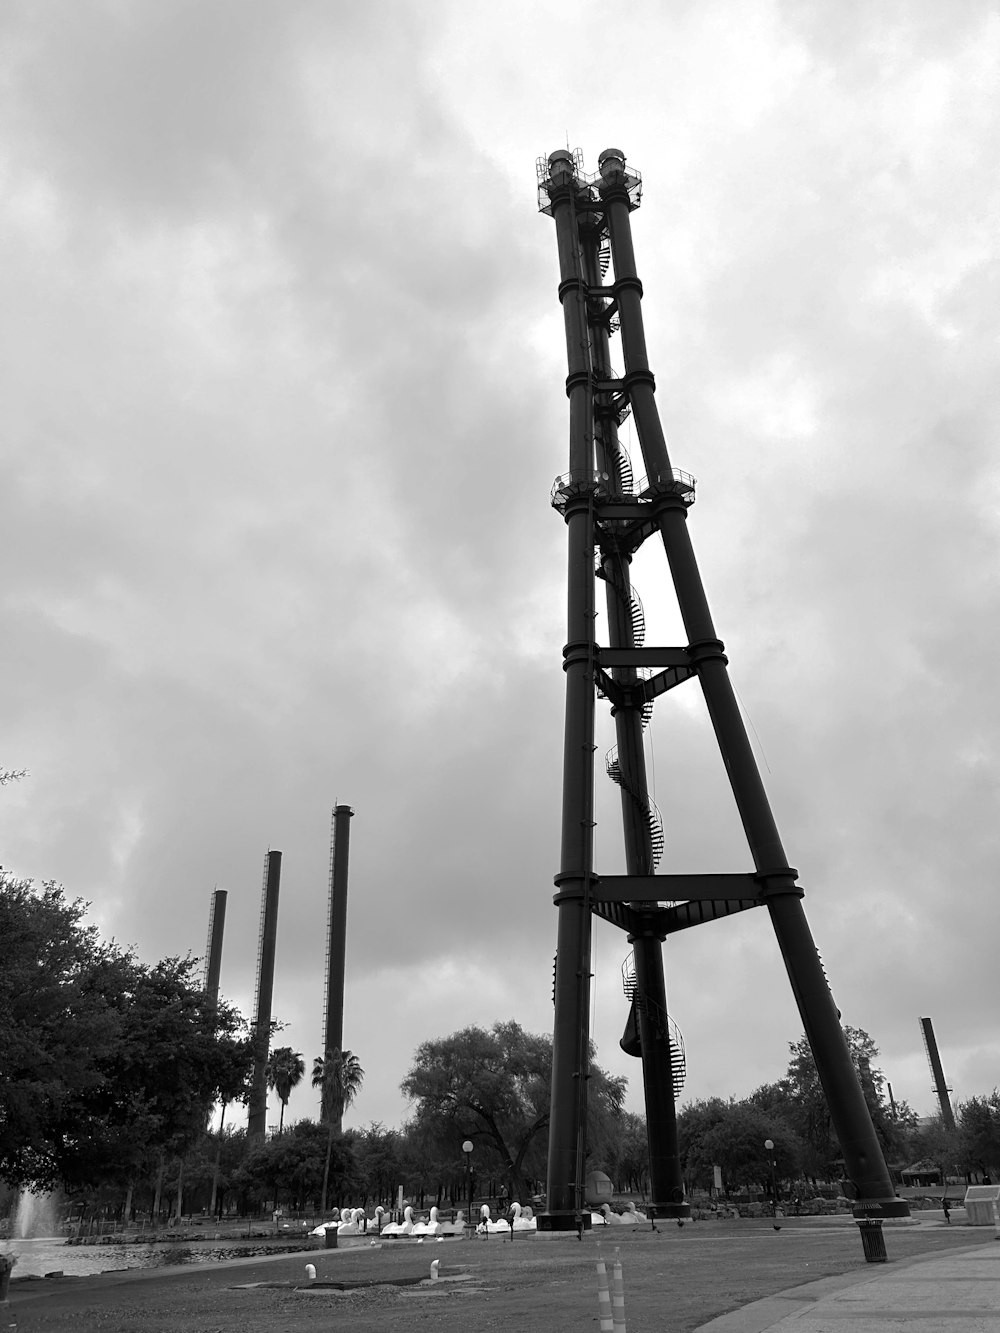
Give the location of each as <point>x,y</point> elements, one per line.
<point>665,1178</point>
<point>848,1109</point>
<point>571,1025</point>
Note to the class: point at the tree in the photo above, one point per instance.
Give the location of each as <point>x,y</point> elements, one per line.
<point>54,1026</point>
<point>339,1076</point>
<point>628,1157</point>
<point>810,1115</point>
<point>284,1071</point>
<point>294,1163</point>
<point>696,1121</point>
<point>378,1154</point>
<point>494,1089</point>
<point>979,1134</point>
<point>102,1059</point>
<point>731,1135</point>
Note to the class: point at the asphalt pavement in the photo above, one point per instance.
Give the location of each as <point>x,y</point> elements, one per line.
<point>957,1292</point>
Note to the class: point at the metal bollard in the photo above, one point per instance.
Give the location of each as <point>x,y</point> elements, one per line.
<point>617,1296</point>
<point>605,1316</point>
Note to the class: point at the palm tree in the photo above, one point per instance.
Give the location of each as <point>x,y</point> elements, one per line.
<point>339,1076</point>
<point>285,1070</point>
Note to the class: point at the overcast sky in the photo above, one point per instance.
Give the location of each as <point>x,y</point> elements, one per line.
<point>283,385</point>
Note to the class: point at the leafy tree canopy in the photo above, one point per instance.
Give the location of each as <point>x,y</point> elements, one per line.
<point>284,1071</point>
<point>102,1059</point>
<point>339,1076</point>
<point>731,1135</point>
<point>494,1088</point>
<point>799,1099</point>
<point>979,1134</point>
<point>292,1166</point>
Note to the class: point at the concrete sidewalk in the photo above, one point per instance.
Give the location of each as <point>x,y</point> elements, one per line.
<point>940,1294</point>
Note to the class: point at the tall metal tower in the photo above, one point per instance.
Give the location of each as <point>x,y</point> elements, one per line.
<point>941,1089</point>
<point>213,949</point>
<point>336,941</point>
<point>266,944</point>
<point>608,517</point>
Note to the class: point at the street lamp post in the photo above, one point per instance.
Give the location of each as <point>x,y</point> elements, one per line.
<point>769,1148</point>
<point>467,1147</point>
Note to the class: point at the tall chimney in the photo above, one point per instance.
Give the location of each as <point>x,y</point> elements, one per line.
<point>941,1088</point>
<point>257,1109</point>
<point>213,949</point>
<point>336,949</point>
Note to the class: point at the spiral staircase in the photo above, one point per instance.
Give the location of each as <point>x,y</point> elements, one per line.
<point>661,1021</point>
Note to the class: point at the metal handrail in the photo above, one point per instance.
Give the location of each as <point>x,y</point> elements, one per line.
<point>582,481</point>
<point>675,481</point>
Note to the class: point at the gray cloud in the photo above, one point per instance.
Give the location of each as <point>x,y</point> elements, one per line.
<point>284,402</point>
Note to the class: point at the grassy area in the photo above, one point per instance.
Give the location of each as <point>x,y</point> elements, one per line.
<point>676,1279</point>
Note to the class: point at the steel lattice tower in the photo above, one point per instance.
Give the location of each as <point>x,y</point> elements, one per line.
<point>608,517</point>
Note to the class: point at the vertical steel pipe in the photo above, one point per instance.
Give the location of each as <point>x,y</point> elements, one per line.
<point>571,1025</point>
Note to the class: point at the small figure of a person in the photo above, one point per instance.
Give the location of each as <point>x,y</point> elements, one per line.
<point>503,1199</point>
<point>946,1210</point>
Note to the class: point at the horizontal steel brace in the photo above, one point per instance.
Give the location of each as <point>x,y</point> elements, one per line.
<point>617,914</point>
<point>640,692</point>
<point>685,915</point>
<point>672,888</point>
<point>623,541</point>
<point>640,510</point>
<point>640,657</point>
<point>666,680</point>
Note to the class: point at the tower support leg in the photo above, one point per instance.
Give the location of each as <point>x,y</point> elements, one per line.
<point>666,1183</point>
<point>566,1172</point>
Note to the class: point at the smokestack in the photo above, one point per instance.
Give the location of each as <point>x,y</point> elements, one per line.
<point>937,1073</point>
<point>257,1109</point>
<point>213,949</point>
<point>336,944</point>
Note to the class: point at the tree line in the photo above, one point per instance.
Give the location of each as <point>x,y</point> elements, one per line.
<point>110,1070</point>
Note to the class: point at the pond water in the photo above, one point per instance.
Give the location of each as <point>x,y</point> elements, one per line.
<point>50,1254</point>
<point>41,1255</point>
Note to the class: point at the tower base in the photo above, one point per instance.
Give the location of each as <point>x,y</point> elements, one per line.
<point>674,1210</point>
<point>875,1208</point>
<point>564,1221</point>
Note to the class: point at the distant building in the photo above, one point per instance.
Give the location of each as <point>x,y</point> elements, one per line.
<point>920,1174</point>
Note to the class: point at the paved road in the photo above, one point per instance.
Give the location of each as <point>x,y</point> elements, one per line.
<point>958,1292</point>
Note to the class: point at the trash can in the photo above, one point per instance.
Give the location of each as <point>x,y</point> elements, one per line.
<point>872,1240</point>
<point>330,1238</point>
<point>7,1262</point>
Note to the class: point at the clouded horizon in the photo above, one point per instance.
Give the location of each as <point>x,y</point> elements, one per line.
<point>284,385</point>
